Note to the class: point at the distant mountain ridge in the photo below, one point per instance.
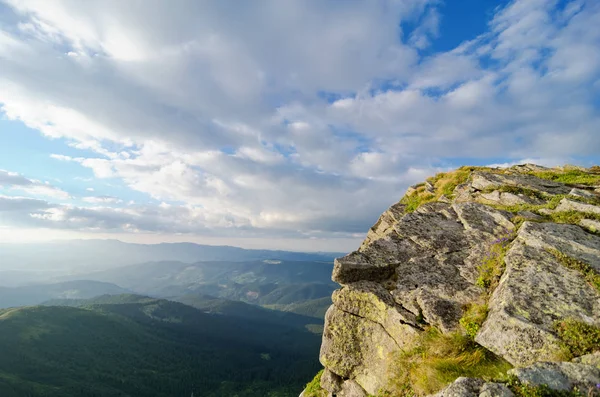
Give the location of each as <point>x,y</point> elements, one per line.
<point>35,294</point>
<point>88,255</point>
<point>263,282</point>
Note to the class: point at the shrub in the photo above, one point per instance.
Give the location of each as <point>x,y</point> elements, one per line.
<point>578,337</point>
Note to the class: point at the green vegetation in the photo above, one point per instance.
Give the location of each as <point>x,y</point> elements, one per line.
<point>473,318</point>
<point>572,217</point>
<point>578,337</point>
<point>526,390</point>
<point>443,184</point>
<point>312,308</point>
<point>571,177</point>
<point>313,388</point>
<point>149,348</point>
<point>586,270</point>
<point>493,264</point>
<point>437,359</point>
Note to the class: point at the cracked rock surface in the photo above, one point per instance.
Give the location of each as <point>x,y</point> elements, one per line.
<point>419,268</point>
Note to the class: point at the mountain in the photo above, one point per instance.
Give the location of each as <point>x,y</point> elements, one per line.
<point>206,304</point>
<point>479,282</point>
<point>148,348</point>
<point>36,294</point>
<point>312,308</point>
<point>77,256</point>
<point>261,282</point>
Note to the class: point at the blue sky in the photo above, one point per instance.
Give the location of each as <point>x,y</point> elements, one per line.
<point>286,125</point>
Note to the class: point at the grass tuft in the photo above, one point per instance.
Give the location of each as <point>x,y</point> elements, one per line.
<point>443,184</point>
<point>474,316</point>
<point>571,177</point>
<point>493,264</point>
<point>313,388</point>
<point>437,360</point>
<point>578,337</point>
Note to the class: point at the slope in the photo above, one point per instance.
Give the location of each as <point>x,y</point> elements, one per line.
<point>148,348</point>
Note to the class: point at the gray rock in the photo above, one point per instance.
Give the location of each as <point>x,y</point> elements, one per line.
<point>331,382</point>
<point>356,348</point>
<point>535,291</point>
<point>559,376</point>
<point>486,180</point>
<point>530,215</point>
<point>570,205</point>
<point>491,389</point>
<point>506,198</point>
<point>444,199</point>
<point>591,225</point>
<point>350,388</point>
<point>462,387</point>
<point>384,224</point>
<point>571,240</point>
<point>371,301</point>
<point>424,265</point>
<point>473,387</point>
<point>589,359</point>
<point>582,193</point>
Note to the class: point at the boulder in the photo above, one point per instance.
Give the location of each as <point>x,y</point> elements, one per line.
<point>536,290</point>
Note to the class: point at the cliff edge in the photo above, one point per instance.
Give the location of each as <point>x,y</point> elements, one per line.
<point>479,282</point>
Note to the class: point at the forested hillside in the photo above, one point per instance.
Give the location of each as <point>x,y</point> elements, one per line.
<point>143,347</point>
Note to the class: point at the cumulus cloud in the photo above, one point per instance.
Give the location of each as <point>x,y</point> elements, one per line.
<point>15,181</point>
<point>303,118</point>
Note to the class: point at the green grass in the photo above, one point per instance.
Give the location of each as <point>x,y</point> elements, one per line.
<point>578,337</point>
<point>572,217</point>
<point>313,388</point>
<point>493,265</point>
<point>473,318</point>
<point>571,177</point>
<point>437,360</point>
<point>443,184</point>
<point>586,270</point>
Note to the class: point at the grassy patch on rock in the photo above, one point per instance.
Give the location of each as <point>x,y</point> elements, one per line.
<point>313,388</point>
<point>442,184</point>
<point>437,359</point>
<point>572,217</point>
<point>578,337</point>
<point>586,270</point>
<point>493,264</point>
<point>473,318</point>
<point>571,177</point>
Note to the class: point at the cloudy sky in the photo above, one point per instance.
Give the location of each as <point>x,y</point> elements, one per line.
<point>276,123</point>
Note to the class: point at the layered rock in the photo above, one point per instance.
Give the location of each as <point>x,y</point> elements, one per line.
<point>419,269</point>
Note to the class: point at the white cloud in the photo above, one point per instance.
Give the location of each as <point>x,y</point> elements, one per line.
<point>102,199</point>
<point>216,110</point>
<point>15,181</point>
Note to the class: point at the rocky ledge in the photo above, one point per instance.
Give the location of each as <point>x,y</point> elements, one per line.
<point>479,282</point>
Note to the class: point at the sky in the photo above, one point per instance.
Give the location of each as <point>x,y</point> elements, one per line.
<point>276,124</point>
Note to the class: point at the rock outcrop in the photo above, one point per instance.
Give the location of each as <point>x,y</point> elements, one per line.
<point>519,243</point>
